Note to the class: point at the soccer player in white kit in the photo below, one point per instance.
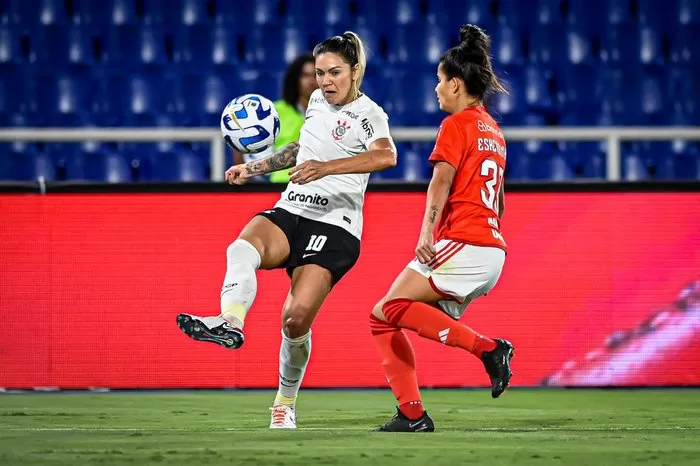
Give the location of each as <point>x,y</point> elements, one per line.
<point>314,230</point>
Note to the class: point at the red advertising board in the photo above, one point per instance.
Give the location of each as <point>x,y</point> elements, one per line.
<point>597,290</point>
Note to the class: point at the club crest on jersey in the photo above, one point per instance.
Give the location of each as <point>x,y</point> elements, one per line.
<point>340,131</point>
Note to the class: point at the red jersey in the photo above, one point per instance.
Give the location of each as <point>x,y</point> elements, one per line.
<point>473,144</point>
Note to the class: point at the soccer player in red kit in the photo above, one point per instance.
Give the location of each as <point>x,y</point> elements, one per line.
<point>465,205</point>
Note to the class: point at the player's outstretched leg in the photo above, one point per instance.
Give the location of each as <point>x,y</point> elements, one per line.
<point>237,296</point>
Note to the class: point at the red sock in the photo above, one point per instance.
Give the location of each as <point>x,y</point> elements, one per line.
<point>429,322</point>
<point>399,365</point>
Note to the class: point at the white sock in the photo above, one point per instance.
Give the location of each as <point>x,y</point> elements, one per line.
<point>294,356</point>
<point>240,283</point>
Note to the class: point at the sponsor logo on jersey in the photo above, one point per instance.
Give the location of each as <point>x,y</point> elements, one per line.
<point>340,131</point>
<point>367,126</point>
<point>313,199</point>
<point>317,100</point>
<point>352,115</point>
<point>484,127</point>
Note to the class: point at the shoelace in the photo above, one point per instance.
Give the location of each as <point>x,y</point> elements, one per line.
<point>278,414</point>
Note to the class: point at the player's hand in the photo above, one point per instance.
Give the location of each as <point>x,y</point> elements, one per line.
<point>311,170</point>
<point>425,251</point>
<point>237,174</point>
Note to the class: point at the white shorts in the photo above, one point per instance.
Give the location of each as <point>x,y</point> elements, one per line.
<point>461,273</point>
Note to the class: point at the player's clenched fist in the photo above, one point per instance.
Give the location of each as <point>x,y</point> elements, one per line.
<point>237,174</point>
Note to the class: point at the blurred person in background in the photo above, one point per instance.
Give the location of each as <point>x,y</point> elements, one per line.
<point>298,83</point>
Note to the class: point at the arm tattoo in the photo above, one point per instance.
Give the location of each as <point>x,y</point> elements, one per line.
<point>433,213</point>
<point>286,157</point>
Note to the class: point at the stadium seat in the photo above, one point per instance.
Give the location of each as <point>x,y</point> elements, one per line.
<point>50,12</point>
<point>191,12</point>
<point>686,160</point>
<point>417,46</point>
<point>474,12</point>
<point>548,12</point>
<point>59,46</point>
<point>688,12</point>
<point>617,11</point>
<point>177,166</point>
<point>620,45</point>
<point>578,47</point>
<point>26,166</point>
<point>201,47</point>
<point>684,48</point>
<point>653,102</point>
<point>131,47</point>
<point>10,52</point>
<point>683,89</point>
<point>62,100</point>
<point>585,15</point>
<point>507,47</point>
<point>536,89</point>
<point>548,46</point>
<point>651,48</point>
<point>661,19</point>
<point>104,167</point>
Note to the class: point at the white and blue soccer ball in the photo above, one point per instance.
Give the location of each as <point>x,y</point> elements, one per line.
<point>250,123</point>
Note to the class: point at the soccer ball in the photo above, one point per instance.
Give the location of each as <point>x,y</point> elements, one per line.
<point>250,123</point>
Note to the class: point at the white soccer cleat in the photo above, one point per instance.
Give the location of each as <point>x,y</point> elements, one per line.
<point>283,417</point>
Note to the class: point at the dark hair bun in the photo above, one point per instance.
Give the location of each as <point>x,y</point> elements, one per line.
<point>470,36</point>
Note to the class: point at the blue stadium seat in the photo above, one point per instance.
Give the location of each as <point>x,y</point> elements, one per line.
<point>51,12</point>
<point>177,166</point>
<point>548,12</point>
<point>131,47</point>
<point>106,167</point>
<point>26,166</point>
<point>686,160</point>
<point>474,12</point>
<point>417,46</point>
<point>58,46</point>
<point>398,103</point>
<point>683,89</point>
<point>578,44</point>
<point>10,52</point>
<point>62,100</point>
<point>651,48</point>
<point>585,15</point>
<point>684,49</point>
<point>658,159</point>
<point>661,19</point>
<point>653,100</point>
<point>536,88</point>
<point>617,11</point>
<point>620,45</point>
<point>507,47</point>
<point>199,48</point>
<point>192,12</point>
<point>509,109</point>
<point>548,46</point>
<point>274,46</point>
<point>688,12</point>
<point>512,13</point>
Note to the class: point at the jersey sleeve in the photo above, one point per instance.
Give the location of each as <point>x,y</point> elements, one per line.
<point>449,144</point>
<point>374,125</point>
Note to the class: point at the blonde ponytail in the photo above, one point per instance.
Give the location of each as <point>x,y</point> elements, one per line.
<point>361,60</point>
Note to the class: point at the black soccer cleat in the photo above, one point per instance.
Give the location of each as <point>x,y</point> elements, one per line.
<point>212,330</point>
<point>400,423</point>
<point>497,364</point>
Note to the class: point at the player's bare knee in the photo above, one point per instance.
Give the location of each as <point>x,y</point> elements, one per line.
<point>296,324</point>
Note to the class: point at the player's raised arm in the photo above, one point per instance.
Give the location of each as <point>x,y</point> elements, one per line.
<point>380,156</point>
<point>284,158</point>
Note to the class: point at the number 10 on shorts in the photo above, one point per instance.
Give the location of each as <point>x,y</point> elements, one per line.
<point>316,242</point>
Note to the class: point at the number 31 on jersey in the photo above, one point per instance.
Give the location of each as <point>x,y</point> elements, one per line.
<point>489,195</point>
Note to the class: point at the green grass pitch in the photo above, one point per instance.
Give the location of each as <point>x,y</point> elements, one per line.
<point>577,427</point>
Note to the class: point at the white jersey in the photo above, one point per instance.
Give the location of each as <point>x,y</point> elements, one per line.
<point>332,132</point>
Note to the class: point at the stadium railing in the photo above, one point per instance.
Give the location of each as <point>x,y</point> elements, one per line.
<point>612,135</point>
